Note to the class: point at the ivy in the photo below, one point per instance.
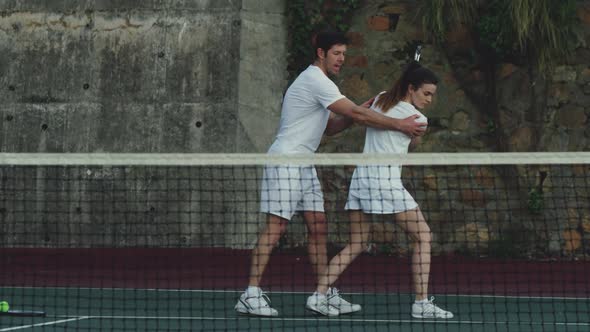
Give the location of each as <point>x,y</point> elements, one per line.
<point>535,201</point>
<point>493,30</point>
<point>540,32</point>
<point>307,17</point>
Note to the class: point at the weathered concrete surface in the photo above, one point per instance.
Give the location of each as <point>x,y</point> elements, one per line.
<point>137,76</point>
<point>262,75</point>
<point>149,76</point>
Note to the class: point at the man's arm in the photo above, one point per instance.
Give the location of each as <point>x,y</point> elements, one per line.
<point>338,123</point>
<point>366,117</point>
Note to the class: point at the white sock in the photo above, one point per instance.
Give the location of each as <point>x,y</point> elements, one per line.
<point>421,301</point>
<point>253,290</point>
<point>319,295</point>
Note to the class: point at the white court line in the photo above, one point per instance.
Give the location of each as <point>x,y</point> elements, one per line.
<point>373,293</point>
<point>339,319</point>
<point>44,324</point>
<point>295,319</point>
<point>297,292</point>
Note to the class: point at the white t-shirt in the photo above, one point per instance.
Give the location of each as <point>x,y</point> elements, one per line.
<point>305,113</point>
<point>386,141</point>
<point>389,141</point>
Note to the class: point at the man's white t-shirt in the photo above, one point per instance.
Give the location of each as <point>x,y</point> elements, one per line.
<point>305,113</point>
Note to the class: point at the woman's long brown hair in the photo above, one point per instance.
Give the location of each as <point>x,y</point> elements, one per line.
<point>414,75</point>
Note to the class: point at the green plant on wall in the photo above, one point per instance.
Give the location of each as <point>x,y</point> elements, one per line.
<point>532,35</point>
<point>494,32</point>
<point>544,29</point>
<point>438,16</point>
<point>306,17</point>
<point>535,201</point>
<point>537,31</point>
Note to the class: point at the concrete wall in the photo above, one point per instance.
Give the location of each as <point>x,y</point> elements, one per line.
<point>262,74</point>
<point>137,76</point>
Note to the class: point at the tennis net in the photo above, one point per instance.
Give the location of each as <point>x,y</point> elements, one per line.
<point>153,242</point>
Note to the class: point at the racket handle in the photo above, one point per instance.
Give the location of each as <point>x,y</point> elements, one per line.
<point>23,313</point>
<point>418,53</point>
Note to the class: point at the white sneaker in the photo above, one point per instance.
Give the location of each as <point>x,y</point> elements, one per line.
<point>319,304</point>
<point>255,304</point>
<point>429,310</point>
<point>343,306</point>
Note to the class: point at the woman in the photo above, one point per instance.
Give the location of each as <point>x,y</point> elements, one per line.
<point>379,189</point>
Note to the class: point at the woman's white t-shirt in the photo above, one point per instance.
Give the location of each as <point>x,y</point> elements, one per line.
<point>379,187</point>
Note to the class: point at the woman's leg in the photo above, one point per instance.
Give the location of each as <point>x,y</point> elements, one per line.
<point>416,227</point>
<point>317,233</point>
<point>413,223</point>
<point>359,234</point>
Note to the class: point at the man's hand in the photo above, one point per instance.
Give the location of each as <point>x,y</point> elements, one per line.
<point>367,103</point>
<point>410,127</point>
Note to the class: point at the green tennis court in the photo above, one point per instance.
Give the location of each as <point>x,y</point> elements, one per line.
<point>135,246</point>
<point>198,310</point>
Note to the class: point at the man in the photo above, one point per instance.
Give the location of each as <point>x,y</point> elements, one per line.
<point>312,105</point>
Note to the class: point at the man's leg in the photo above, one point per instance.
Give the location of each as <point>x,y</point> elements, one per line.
<point>317,237</point>
<point>267,240</point>
<point>253,301</point>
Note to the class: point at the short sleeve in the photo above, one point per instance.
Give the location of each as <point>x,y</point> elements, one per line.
<point>327,92</point>
<point>374,104</point>
<point>421,118</point>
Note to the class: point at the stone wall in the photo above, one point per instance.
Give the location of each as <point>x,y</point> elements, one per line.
<point>383,35</point>
<point>208,76</point>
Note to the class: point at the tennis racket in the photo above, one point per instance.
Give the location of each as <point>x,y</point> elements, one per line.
<point>418,53</point>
